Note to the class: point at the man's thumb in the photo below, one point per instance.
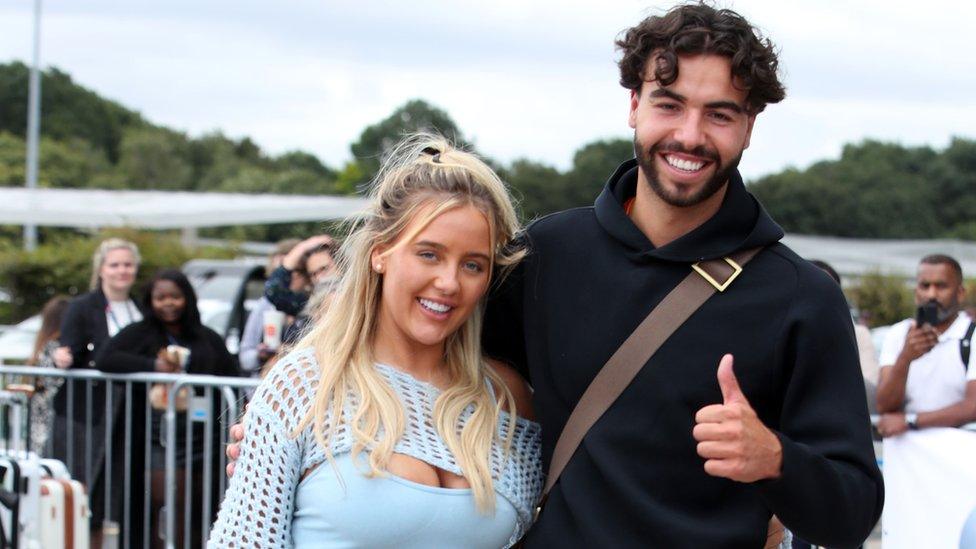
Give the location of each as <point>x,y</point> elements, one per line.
<point>728,383</point>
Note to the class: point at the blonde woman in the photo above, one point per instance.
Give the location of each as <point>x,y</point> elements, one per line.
<point>91,319</point>
<point>386,427</point>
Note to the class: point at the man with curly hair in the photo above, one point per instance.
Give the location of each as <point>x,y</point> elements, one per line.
<point>755,406</point>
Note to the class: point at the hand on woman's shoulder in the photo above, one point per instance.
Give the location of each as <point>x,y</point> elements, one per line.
<point>520,389</point>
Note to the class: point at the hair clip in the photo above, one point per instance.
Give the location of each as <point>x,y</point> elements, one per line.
<point>433,152</point>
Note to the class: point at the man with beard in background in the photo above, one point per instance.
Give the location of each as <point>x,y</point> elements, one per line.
<point>927,374</point>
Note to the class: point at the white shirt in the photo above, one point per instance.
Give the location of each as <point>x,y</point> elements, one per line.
<point>120,314</point>
<point>936,379</point>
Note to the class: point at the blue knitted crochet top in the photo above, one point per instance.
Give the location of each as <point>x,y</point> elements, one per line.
<point>269,504</point>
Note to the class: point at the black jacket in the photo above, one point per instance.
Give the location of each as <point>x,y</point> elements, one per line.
<point>134,349</point>
<point>84,329</point>
<point>636,480</point>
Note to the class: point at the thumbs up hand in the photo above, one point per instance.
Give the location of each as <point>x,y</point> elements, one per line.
<point>731,437</point>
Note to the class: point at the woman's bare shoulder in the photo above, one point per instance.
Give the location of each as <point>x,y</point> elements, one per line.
<point>517,385</point>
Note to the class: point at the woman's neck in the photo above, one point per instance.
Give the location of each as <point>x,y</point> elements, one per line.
<point>115,295</point>
<point>173,329</point>
<point>424,363</point>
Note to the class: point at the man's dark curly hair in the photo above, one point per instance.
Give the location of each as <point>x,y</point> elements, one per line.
<point>693,29</point>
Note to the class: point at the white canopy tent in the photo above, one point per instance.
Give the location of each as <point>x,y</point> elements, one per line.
<point>188,211</point>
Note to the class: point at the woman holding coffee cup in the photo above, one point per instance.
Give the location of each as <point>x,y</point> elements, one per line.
<point>170,339</point>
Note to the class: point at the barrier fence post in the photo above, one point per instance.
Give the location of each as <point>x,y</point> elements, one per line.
<point>206,409</point>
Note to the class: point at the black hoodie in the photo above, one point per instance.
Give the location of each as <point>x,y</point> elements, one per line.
<point>636,480</point>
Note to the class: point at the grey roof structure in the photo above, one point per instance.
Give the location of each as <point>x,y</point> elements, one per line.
<point>852,257</point>
<point>90,209</point>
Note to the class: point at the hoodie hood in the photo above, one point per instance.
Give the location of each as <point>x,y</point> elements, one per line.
<point>740,223</point>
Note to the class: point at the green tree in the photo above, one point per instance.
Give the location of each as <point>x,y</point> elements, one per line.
<point>884,298</point>
<point>415,115</point>
<point>593,164</point>
<point>12,160</point>
<point>955,173</point>
<point>875,190</point>
<point>155,159</point>
<point>63,265</point>
<point>67,110</point>
<point>536,187</point>
<point>350,178</point>
<point>214,159</point>
<point>301,160</point>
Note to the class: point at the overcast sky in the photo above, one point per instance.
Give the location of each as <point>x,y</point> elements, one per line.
<point>533,79</point>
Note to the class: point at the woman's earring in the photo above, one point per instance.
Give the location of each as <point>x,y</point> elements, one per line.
<point>378,268</point>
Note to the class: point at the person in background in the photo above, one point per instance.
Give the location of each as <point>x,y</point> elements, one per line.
<point>865,346</point>
<point>254,353</point>
<point>386,427</point>
<point>45,345</point>
<point>170,334</point>
<point>315,254</point>
<point>928,375</point>
<point>91,319</point>
<point>320,266</point>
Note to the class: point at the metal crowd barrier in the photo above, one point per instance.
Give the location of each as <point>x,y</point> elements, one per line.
<point>218,405</point>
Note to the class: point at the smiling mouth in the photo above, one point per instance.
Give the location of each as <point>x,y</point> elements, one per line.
<point>683,165</point>
<point>434,307</point>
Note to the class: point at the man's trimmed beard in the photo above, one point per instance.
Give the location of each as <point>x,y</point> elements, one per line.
<point>645,159</point>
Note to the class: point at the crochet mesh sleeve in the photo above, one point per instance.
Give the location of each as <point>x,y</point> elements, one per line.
<point>259,502</point>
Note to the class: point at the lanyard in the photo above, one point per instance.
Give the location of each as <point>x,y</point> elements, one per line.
<point>114,320</point>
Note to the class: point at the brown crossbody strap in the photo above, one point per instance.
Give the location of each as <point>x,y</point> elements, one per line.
<point>638,348</point>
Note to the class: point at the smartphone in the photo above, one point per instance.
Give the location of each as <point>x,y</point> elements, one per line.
<point>927,314</point>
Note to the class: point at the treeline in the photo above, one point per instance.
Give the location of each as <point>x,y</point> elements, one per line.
<point>91,142</point>
<point>879,190</point>
<point>874,190</point>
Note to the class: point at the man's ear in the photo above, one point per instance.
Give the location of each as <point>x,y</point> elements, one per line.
<point>634,103</point>
<point>751,122</point>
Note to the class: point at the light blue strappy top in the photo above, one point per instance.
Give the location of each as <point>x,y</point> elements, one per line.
<point>392,512</point>
<point>268,504</point>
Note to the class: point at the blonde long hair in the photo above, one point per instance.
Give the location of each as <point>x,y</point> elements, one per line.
<point>423,177</point>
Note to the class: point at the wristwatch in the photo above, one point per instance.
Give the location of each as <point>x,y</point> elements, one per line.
<point>911,420</point>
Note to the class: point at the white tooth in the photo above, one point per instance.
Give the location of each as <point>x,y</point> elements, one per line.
<point>440,308</point>
<point>686,165</point>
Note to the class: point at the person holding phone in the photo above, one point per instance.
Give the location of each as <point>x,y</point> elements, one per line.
<point>927,374</point>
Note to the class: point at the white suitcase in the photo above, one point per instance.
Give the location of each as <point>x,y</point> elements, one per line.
<point>20,475</point>
<point>55,468</point>
<point>64,515</point>
<point>20,479</point>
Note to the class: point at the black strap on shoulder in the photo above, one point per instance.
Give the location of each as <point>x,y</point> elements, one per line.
<point>965,343</point>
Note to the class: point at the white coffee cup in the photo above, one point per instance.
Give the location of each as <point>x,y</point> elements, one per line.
<point>274,323</point>
<point>180,354</point>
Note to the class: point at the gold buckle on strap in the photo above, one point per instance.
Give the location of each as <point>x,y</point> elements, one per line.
<point>736,270</point>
